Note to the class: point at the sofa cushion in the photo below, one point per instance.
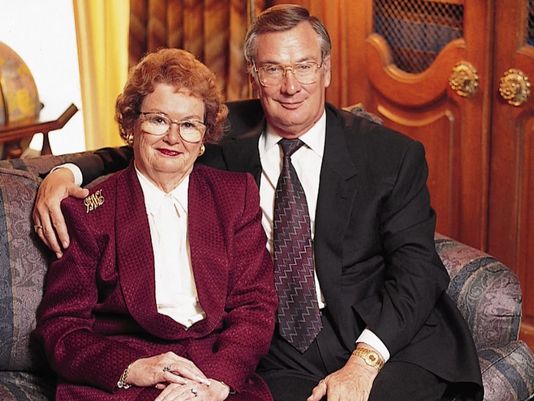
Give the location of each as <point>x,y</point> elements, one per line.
<point>508,372</point>
<point>22,269</point>
<point>21,386</point>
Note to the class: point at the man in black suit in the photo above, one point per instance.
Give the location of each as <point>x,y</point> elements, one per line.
<point>389,331</point>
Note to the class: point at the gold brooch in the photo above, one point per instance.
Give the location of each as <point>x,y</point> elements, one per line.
<point>93,201</point>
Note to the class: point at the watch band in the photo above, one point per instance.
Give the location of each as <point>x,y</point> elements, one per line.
<point>370,357</point>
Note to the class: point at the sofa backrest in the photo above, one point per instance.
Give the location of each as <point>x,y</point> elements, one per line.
<point>22,268</point>
<point>23,258</point>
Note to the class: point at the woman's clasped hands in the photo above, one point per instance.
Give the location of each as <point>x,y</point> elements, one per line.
<point>178,378</point>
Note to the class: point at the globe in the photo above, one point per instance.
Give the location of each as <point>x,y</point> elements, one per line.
<point>19,99</point>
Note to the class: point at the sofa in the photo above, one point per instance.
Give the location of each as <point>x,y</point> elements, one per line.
<point>487,293</point>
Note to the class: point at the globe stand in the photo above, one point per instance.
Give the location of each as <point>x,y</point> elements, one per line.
<point>12,133</point>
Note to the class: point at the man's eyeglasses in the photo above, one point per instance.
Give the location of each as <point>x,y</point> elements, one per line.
<point>273,74</point>
<point>159,124</point>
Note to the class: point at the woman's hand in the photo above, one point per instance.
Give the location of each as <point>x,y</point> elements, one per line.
<point>215,391</point>
<point>164,368</point>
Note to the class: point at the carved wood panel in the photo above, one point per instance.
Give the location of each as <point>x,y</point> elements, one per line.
<point>511,214</point>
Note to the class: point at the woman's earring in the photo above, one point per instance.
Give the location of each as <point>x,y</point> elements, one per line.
<point>130,139</point>
<point>202,150</point>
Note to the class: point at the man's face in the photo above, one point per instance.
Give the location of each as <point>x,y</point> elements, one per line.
<point>292,107</point>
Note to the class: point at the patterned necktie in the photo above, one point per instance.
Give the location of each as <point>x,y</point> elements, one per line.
<point>299,318</point>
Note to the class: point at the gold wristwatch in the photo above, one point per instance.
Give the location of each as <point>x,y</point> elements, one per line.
<point>370,357</point>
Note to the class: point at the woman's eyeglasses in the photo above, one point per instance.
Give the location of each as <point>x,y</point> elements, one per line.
<point>159,124</point>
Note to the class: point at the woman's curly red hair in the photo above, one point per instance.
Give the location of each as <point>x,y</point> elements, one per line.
<point>180,69</point>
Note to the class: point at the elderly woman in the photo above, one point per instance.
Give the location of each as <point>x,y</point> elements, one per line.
<point>166,290</point>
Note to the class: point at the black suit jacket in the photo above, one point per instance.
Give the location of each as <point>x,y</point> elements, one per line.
<point>374,248</point>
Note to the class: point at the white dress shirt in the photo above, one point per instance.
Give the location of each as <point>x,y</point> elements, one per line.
<point>176,292</point>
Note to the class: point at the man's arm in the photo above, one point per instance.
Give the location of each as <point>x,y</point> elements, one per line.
<point>104,161</point>
<point>59,184</point>
<point>415,279</point>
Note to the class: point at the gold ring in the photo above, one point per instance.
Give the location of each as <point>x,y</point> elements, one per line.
<point>37,227</point>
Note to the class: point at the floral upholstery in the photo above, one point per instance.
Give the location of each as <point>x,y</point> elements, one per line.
<point>507,372</point>
<point>486,292</point>
<point>19,386</point>
<point>488,295</point>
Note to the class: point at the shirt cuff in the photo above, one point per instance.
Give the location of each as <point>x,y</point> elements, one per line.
<point>371,339</point>
<point>75,170</point>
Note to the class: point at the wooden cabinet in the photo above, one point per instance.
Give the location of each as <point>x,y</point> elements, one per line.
<point>511,161</point>
<point>435,70</point>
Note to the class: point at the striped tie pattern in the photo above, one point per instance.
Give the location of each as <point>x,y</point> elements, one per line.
<point>299,318</point>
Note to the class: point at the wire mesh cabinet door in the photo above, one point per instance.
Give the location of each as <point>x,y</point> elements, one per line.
<point>424,66</point>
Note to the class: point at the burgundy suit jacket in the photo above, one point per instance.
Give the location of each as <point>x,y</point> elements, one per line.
<point>98,312</point>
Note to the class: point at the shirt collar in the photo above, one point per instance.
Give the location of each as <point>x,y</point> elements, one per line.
<point>154,196</point>
<point>314,138</point>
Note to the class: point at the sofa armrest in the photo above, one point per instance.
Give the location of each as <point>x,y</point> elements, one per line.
<point>486,292</point>
<point>507,372</point>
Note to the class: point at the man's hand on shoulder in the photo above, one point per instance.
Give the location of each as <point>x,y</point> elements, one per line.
<point>47,216</point>
<point>352,382</point>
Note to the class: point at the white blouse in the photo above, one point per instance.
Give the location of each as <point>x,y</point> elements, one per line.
<point>176,292</point>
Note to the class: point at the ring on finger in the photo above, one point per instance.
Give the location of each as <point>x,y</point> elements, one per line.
<point>37,227</point>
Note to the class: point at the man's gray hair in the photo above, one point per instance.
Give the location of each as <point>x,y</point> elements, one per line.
<point>282,18</point>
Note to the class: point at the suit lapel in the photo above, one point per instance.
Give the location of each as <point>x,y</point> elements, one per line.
<point>337,190</point>
<point>135,257</point>
<point>208,253</point>
<point>241,151</point>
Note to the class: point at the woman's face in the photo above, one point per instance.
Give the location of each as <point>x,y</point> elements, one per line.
<point>166,159</point>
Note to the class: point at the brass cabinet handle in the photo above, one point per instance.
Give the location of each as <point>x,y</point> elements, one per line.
<point>514,87</point>
<point>464,79</point>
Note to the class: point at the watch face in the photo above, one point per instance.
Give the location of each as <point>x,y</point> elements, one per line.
<point>373,358</point>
